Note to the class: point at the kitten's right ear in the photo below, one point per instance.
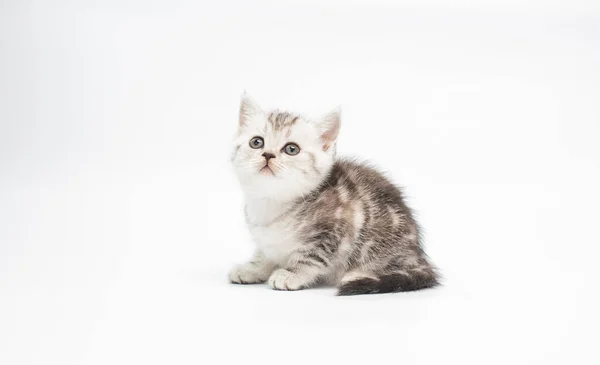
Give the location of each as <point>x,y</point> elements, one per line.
<point>248,108</point>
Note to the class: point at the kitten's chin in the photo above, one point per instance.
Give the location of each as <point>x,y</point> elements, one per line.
<point>267,185</point>
<point>274,184</point>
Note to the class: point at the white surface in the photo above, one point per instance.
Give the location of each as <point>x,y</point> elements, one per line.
<point>120,216</point>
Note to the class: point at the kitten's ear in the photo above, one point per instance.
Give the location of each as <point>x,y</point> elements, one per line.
<point>248,109</point>
<point>330,127</point>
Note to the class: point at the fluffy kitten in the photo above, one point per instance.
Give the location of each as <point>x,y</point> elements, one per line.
<point>318,219</point>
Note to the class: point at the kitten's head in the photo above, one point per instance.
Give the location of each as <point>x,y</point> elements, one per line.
<point>281,155</point>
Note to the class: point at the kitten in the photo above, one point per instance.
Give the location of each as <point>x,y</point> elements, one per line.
<point>319,219</point>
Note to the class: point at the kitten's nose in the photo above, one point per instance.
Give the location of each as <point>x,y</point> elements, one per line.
<point>268,156</point>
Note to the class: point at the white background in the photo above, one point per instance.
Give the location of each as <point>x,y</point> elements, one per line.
<point>120,215</point>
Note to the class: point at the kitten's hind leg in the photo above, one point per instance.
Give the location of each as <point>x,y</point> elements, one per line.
<point>253,272</point>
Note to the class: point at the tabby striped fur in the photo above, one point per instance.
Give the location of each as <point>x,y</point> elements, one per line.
<point>319,219</point>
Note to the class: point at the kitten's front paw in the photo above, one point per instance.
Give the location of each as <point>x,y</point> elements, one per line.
<point>245,274</point>
<point>283,279</point>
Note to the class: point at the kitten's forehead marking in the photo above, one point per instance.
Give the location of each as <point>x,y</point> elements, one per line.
<point>281,120</point>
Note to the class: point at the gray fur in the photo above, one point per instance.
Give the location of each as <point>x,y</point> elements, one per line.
<point>353,230</point>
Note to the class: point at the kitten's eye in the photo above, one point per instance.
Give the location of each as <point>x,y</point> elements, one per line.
<point>291,149</point>
<point>257,142</point>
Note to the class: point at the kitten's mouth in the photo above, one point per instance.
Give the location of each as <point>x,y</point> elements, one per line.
<point>266,170</point>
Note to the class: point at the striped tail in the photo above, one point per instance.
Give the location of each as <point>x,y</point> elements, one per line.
<point>406,280</point>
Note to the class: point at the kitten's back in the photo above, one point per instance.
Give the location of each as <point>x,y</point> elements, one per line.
<point>366,230</point>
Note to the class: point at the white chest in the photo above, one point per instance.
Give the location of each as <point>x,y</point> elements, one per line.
<point>272,231</point>
<point>276,242</point>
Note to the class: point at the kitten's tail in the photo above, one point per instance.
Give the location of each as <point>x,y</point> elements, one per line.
<point>406,280</point>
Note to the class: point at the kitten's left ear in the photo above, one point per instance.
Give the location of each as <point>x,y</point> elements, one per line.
<point>330,127</point>
<point>248,109</point>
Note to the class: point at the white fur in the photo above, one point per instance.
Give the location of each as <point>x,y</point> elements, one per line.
<point>283,279</point>
<point>291,178</point>
<point>274,237</point>
<point>269,197</point>
<point>256,271</point>
<point>247,273</point>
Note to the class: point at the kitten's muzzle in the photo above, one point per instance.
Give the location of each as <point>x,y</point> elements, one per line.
<point>267,168</point>
<point>268,156</point>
